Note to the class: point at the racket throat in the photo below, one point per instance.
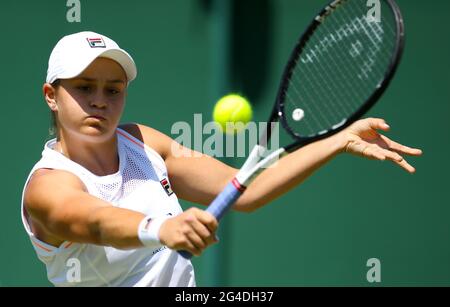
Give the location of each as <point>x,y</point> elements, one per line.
<point>240,187</point>
<point>256,163</point>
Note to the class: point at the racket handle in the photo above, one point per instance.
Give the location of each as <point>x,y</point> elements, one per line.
<point>226,199</point>
<point>186,255</point>
<point>221,204</point>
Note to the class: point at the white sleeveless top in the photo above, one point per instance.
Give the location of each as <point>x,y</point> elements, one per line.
<point>142,185</point>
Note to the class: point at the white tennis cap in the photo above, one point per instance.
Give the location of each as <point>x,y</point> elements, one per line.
<point>75,52</point>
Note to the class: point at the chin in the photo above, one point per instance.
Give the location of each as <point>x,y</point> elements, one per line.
<point>98,133</point>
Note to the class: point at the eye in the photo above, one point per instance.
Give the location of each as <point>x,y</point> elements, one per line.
<point>113,91</point>
<point>84,88</point>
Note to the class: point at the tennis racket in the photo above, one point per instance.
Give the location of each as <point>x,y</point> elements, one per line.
<point>337,71</point>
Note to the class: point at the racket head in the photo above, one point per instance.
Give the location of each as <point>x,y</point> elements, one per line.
<point>339,68</point>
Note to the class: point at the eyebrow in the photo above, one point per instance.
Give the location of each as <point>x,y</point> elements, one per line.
<point>107,81</point>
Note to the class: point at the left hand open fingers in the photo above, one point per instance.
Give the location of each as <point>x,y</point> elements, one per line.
<point>406,166</point>
<point>399,160</point>
<point>385,154</point>
<point>399,148</point>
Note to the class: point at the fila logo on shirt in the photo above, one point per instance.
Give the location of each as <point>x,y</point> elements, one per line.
<point>96,42</point>
<point>166,186</point>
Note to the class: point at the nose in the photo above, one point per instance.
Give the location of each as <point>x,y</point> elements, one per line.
<point>98,101</point>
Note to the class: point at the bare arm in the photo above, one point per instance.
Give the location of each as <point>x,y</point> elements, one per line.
<point>200,178</point>
<point>360,139</point>
<point>58,203</point>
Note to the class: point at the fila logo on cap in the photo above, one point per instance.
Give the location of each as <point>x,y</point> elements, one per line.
<point>96,42</point>
<point>166,186</point>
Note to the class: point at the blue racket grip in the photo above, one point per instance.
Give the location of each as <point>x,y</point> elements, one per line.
<point>225,200</point>
<point>185,254</point>
<point>221,204</point>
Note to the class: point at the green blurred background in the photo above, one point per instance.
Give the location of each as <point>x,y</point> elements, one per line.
<point>191,52</point>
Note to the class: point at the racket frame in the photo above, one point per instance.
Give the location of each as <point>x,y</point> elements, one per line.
<point>278,113</point>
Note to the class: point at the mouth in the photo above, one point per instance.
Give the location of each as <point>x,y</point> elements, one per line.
<point>97,117</point>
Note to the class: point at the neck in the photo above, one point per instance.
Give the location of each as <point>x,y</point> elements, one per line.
<point>99,157</point>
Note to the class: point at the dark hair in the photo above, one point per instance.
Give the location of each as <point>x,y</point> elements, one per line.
<point>53,129</point>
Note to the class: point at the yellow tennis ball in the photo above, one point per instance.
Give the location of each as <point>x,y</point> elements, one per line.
<point>232,113</point>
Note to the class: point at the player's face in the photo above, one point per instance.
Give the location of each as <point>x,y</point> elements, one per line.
<point>92,103</point>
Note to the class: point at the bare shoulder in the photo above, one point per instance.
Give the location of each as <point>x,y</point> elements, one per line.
<point>153,138</point>
<point>47,184</point>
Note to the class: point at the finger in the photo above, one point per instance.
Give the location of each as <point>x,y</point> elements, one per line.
<point>374,153</point>
<point>379,124</point>
<point>201,223</point>
<point>204,224</point>
<point>208,220</point>
<point>397,159</point>
<point>383,155</point>
<point>391,155</point>
<point>190,231</point>
<point>191,248</point>
<point>196,241</point>
<point>401,148</point>
<point>406,166</point>
<point>187,244</point>
<point>208,237</point>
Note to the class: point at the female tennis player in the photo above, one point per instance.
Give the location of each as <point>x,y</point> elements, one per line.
<point>101,206</point>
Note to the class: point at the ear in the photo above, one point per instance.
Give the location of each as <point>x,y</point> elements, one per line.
<point>50,96</point>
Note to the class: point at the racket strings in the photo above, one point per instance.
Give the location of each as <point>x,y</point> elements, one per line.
<point>384,54</point>
<point>325,81</point>
<point>361,88</point>
<point>292,97</point>
<point>378,34</point>
<point>375,37</point>
<point>345,70</point>
<point>312,92</point>
<point>337,94</point>
<point>370,38</point>
<point>343,62</point>
<point>310,84</point>
<point>331,88</point>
